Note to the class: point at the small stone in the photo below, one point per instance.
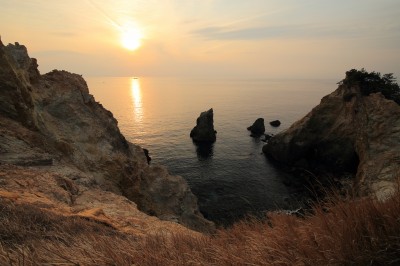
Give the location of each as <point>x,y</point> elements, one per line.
<point>275,123</point>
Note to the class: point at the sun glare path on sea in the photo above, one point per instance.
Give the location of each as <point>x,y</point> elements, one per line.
<point>136,99</point>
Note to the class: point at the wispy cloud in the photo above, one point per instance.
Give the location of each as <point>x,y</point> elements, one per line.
<point>288,31</point>
<point>228,33</point>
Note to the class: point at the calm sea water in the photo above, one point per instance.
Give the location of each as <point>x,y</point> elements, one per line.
<point>232,177</point>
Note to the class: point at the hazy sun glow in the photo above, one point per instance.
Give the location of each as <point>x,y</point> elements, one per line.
<point>131,38</point>
<point>224,38</point>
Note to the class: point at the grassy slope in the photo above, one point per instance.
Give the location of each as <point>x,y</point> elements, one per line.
<point>340,232</point>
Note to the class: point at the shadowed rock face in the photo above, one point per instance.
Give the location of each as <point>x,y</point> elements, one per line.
<point>52,120</point>
<point>346,132</point>
<point>204,129</point>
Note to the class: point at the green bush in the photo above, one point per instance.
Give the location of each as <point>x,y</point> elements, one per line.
<point>372,82</point>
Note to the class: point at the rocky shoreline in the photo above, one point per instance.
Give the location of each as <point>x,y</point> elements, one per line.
<point>52,126</point>
<point>350,133</point>
<point>61,151</point>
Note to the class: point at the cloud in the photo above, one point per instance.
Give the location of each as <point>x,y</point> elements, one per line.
<point>286,31</point>
<point>225,33</point>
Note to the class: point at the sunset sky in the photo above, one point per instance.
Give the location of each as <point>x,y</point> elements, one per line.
<point>223,38</point>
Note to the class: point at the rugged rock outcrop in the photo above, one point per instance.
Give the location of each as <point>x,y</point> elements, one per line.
<point>258,127</point>
<point>62,191</point>
<point>204,129</point>
<point>347,132</point>
<point>52,121</point>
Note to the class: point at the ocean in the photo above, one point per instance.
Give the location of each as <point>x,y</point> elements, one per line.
<point>230,178</point>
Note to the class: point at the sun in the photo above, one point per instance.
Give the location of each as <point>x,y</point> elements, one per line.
<point>131,39</point>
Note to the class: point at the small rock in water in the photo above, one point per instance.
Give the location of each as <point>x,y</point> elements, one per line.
<point>275,123</point>
<point>258,128</point>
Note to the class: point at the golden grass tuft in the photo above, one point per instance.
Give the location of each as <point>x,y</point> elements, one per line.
<point>339,232</point>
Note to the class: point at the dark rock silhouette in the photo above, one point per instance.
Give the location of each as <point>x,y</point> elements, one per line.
<point>267,137</point>
<point>258,127</point>
<point>204,129</point>
<point>146,153</point>
<point>275,123</point>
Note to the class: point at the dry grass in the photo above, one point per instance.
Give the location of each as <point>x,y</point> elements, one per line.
<point>340,232</point>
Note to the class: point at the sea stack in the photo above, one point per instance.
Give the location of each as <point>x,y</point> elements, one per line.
<point>258,127</point>
<point>204,129</point>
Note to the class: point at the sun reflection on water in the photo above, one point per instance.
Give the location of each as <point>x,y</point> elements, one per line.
<point>136,100</point>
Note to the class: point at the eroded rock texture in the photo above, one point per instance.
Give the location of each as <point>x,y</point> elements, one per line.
<point>52,121</point>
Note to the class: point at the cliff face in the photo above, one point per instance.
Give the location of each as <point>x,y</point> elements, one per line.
<point>51,122</point>
<point>347,132</point>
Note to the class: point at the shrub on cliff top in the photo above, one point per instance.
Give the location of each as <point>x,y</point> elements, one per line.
<point>372,82</point>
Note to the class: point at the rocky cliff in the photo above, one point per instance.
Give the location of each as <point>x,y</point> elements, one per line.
<point>350,131</point>
<point>53,131</point>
